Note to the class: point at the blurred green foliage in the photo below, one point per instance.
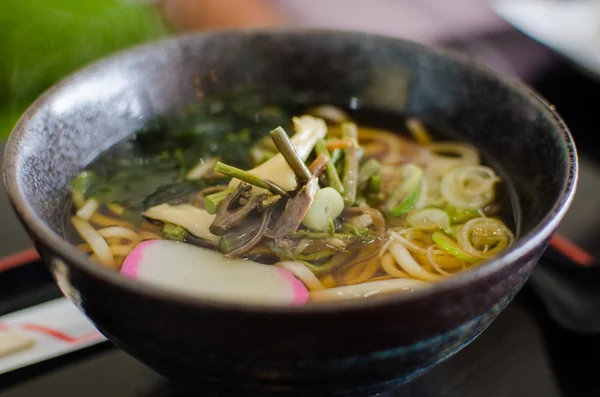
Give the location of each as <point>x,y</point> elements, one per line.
<point>41,41</point>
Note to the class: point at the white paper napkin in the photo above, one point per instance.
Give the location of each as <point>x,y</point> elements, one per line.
<point>42,332</point>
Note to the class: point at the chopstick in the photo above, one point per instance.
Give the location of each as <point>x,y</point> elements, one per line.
<point>568,252</point>
<point>19,259</point>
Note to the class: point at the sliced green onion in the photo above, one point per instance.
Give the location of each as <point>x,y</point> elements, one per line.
<point>458,153</point>
<point>350,180</point>
<point>368,170</point>
<point>336,155</point>
<point>409,202</point>
<point>213,201</point>
<point>331,227</point>
<point>484,237</point>
<point>173,232</point>
<point>328,204</point>
<point>84,181</point>
<point>225,245</point>
<point>429,219</point>
<point>469,187</point>
<point>456,230</point>
<point>375,184</point>
<point>406,193</point>
<point>332,174</point>
<point>461,216</point>
<point>451,247</point>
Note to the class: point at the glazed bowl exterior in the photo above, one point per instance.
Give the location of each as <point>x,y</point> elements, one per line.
<point>337,348</point>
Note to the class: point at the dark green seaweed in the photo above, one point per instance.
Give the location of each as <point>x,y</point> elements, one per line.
<point>149,168</point>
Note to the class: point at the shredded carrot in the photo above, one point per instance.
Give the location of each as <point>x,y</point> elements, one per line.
<point>338,144</point>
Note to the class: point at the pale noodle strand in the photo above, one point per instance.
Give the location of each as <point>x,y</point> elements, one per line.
<point>121,250</point>
<point>328,281</point>
<point>384,248</point>
<point>368,289</point>
<point>303,273</point>
<point>383,277</point>
<point>431,258</point>
<point>409,264</point>
<point>389,265</point>
<point>114,240</point>
<point>365,271</point>
<point>88,209</point>
<point>95,240</point>
<point>302,245</point>
<point>105,221</point>
<point>407,243</point>
<point>85,247</point>
<point>389,240</point>
<point>119,232</point>
<point>116,209</point>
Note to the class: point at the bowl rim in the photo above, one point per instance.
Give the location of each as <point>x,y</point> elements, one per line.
<point>522,247</point>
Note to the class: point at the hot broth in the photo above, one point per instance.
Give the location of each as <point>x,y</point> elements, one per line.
<point>352,203</point>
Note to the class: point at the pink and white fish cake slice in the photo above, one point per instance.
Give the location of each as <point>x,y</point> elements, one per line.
<point>208,274</point>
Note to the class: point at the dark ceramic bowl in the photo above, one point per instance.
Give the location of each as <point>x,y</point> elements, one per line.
<point>339,348</point>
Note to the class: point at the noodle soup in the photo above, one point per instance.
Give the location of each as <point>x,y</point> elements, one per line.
<point>235,199</point>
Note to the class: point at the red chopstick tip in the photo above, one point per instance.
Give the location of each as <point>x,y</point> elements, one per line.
<point>19,259</point>
<point>571,250</point>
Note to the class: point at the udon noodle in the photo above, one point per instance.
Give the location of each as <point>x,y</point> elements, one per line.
<point>350,210</point>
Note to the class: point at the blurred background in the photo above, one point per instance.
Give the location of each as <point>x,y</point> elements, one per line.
<point>541,346</point>
<point>41,41</point>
